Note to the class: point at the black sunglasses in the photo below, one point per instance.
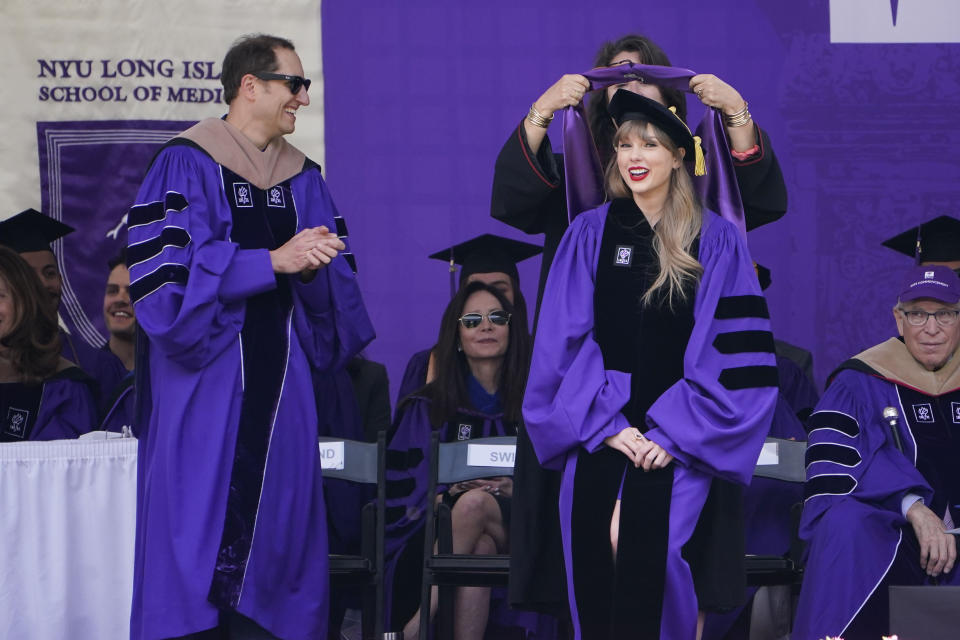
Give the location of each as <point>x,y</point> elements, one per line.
<point>293,82</point>
<point>473,320</point>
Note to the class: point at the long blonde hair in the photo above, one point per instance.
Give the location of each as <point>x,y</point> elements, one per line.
<point>679,224</point>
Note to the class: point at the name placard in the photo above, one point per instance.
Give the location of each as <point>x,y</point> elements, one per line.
<point>769,454</point>
<point>331,455</point>
<point>491,455</point>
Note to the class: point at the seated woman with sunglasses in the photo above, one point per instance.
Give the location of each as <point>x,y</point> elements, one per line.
<point>482,355</point>
<point>42,395</point>
<point>652,373</point>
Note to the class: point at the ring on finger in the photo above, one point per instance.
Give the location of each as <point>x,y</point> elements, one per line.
<point>700,92</point>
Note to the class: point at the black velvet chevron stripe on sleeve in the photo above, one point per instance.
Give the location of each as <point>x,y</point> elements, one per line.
<point>169,237</point>
<point>829,484</point>
<point>744,342</point>
<point>836,453</point>
<point>341,226</point>
<point>351,260</point>
<point>403,460</point>
<point>749,377</point>
<point>733,307</point>
<point>393,514</point>
<point>833,420</point>
<point>400,488</point>
<point>165,274</point>
<point>154,211</point>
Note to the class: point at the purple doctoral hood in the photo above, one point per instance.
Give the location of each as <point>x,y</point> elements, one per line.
<point>582,171</point>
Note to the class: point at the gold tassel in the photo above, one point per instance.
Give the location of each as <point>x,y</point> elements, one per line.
<point>700,166</point>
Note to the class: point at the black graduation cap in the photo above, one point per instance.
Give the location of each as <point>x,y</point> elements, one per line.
<point>936,240</point>
<point>31,230</point>
<point>487,253</point>
<point>627,105</point>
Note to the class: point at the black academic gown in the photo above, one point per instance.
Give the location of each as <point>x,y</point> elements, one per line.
<point>529,194</point>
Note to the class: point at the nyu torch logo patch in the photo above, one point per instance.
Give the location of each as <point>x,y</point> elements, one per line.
<point>624,256</point>
<point>275,198</point>
<point>464,431</point>
<point>241,194</point>
<point>16,422</point>
<point>923,412</point>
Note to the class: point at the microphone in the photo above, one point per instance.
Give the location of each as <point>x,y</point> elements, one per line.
<point>892,416</point>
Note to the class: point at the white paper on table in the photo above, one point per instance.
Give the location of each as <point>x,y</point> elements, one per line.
<point>769,454</point>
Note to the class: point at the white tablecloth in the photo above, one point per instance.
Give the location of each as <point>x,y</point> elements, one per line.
<point>66,539</point>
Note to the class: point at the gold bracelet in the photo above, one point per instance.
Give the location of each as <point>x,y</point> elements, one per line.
<point>537,119</point>
<point>738,119</point>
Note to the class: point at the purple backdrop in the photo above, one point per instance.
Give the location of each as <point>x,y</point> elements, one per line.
<point>421,95</point>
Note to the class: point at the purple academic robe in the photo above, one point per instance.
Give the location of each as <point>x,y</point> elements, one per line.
<point>713,420</point>
<point>59,408</point>
<point>230,512</point>
<point>856,479</point>
<point>101,365</point>
<point>119,409</point>
<point>767,502</point>
<point>415,374</point>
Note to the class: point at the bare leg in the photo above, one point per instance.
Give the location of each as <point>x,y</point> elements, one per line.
<point>701,618</point>
<point>412,628</point>
<point>476,513</point>
<point>477,528</point>
<point>472,605</point>
<point>615,530</point>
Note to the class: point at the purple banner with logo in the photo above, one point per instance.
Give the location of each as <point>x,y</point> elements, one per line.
<point>89,174</point>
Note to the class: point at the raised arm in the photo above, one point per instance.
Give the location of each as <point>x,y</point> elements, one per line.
<point>527,176</point>
<point>762,188</point>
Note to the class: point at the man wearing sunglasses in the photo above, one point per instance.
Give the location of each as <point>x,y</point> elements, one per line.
<point>242,285</point>
<point>883,480</point>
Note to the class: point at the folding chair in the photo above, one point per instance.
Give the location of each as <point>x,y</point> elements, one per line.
<point>780,460</point>
<point>361,462</point>
<point>452,462</point>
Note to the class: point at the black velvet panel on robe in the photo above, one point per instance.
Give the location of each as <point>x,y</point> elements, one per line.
<point>262,219</point>
<point>19,405</point>
<point>935,423</point>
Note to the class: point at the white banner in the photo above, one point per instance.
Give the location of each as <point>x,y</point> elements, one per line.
<point>93,88</point>
<point>132,60</point>
<point>894,21</point>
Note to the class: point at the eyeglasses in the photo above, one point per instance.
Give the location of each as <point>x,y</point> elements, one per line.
<point>473,320</point>
<point>293,82</point>
<point>944,317</point>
